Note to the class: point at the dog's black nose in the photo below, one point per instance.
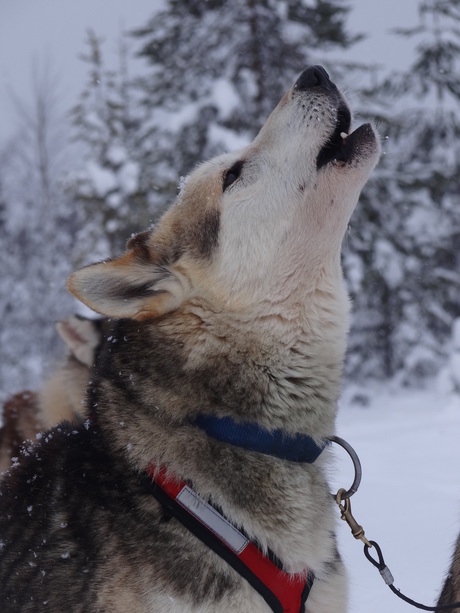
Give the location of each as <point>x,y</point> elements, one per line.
<point>313,76</point>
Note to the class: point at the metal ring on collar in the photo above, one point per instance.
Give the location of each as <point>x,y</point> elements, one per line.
<point>356,463</point>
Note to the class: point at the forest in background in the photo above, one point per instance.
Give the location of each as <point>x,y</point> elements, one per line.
<point>74,187</point>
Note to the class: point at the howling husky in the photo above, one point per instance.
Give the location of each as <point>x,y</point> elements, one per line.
<point>198,483</point>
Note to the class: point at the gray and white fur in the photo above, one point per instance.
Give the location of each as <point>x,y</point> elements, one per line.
<point>233,305</point>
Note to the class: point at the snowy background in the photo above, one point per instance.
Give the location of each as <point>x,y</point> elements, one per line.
<point>74,185</point>
<point>409,499</point>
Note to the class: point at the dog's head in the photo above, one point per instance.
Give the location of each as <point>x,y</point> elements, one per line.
<point>261,225</point>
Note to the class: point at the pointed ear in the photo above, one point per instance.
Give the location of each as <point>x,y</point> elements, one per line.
<point>81,336</point>
<point>128,287</point>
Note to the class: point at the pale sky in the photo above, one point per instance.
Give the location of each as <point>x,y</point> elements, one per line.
<point>53,31</point>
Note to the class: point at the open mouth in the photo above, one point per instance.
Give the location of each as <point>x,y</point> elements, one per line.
<point>340,145</point>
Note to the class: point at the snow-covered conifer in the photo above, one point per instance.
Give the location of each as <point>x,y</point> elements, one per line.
<point>112,185</point>
<point>37,229</point>
<point>405,235</point>
<point>217,68</point>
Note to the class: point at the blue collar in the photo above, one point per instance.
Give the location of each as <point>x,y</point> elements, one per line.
<point>250,436</point>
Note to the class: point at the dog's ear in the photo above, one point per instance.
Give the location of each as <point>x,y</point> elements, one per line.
<point>128,287</point>
<point>81,336</point>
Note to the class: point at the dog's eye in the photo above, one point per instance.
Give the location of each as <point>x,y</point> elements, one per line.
<point>232,174</point>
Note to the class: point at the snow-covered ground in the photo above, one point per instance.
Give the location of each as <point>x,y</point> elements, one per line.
<point>409,500</point>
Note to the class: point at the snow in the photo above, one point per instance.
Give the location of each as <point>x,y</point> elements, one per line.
<point>128,177</point>
<point>456,334</point>
<point>387,263</point>
<point>427,224</point>
<point>103,179</point>
<point>224,97</point>
<point>116,155</point>
<point>409,499</point>
<point>178,117</point>
<point>230,139</point>
<point>449,375</point>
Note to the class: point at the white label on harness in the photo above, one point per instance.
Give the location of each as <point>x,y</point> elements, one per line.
<point>212,519</point>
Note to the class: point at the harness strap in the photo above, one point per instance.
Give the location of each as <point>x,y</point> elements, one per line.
<point>284,593</point>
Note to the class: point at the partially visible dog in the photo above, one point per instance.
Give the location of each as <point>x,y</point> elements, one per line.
<point>231,310</point>
<point>451,589</point>
<point>62,395</point>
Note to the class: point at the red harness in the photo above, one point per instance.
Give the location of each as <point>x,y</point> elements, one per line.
<point>283,592</point>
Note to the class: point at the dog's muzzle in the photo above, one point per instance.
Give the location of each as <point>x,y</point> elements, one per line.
<point>314,76</point>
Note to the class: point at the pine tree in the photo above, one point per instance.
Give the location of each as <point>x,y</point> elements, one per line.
<point>36,231</point>
<point>113,188</point>
<point>405,237</point>
<point>217,68</point>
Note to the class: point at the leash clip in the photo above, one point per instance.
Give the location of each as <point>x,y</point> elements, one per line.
<point>342,498</point>
<point>345,513</point>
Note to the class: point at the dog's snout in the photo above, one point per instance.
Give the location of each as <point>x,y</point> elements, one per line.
<point>314,76</point>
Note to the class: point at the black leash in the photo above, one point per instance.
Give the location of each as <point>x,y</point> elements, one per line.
<point>343,501</point>
<point>388,578</point>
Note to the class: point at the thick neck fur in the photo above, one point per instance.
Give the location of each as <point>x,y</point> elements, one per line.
<point>278,371</point>
<point>278,368</point>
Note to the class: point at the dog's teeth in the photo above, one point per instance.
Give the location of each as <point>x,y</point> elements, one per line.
<point>343,135</point>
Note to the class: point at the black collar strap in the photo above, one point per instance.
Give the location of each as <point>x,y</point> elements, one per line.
<point>284,593</point>
<point>251,436</point>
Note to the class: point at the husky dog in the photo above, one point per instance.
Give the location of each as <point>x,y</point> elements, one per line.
<point>61,397</point>
<point>232,307</point>
<point>451,589</point>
